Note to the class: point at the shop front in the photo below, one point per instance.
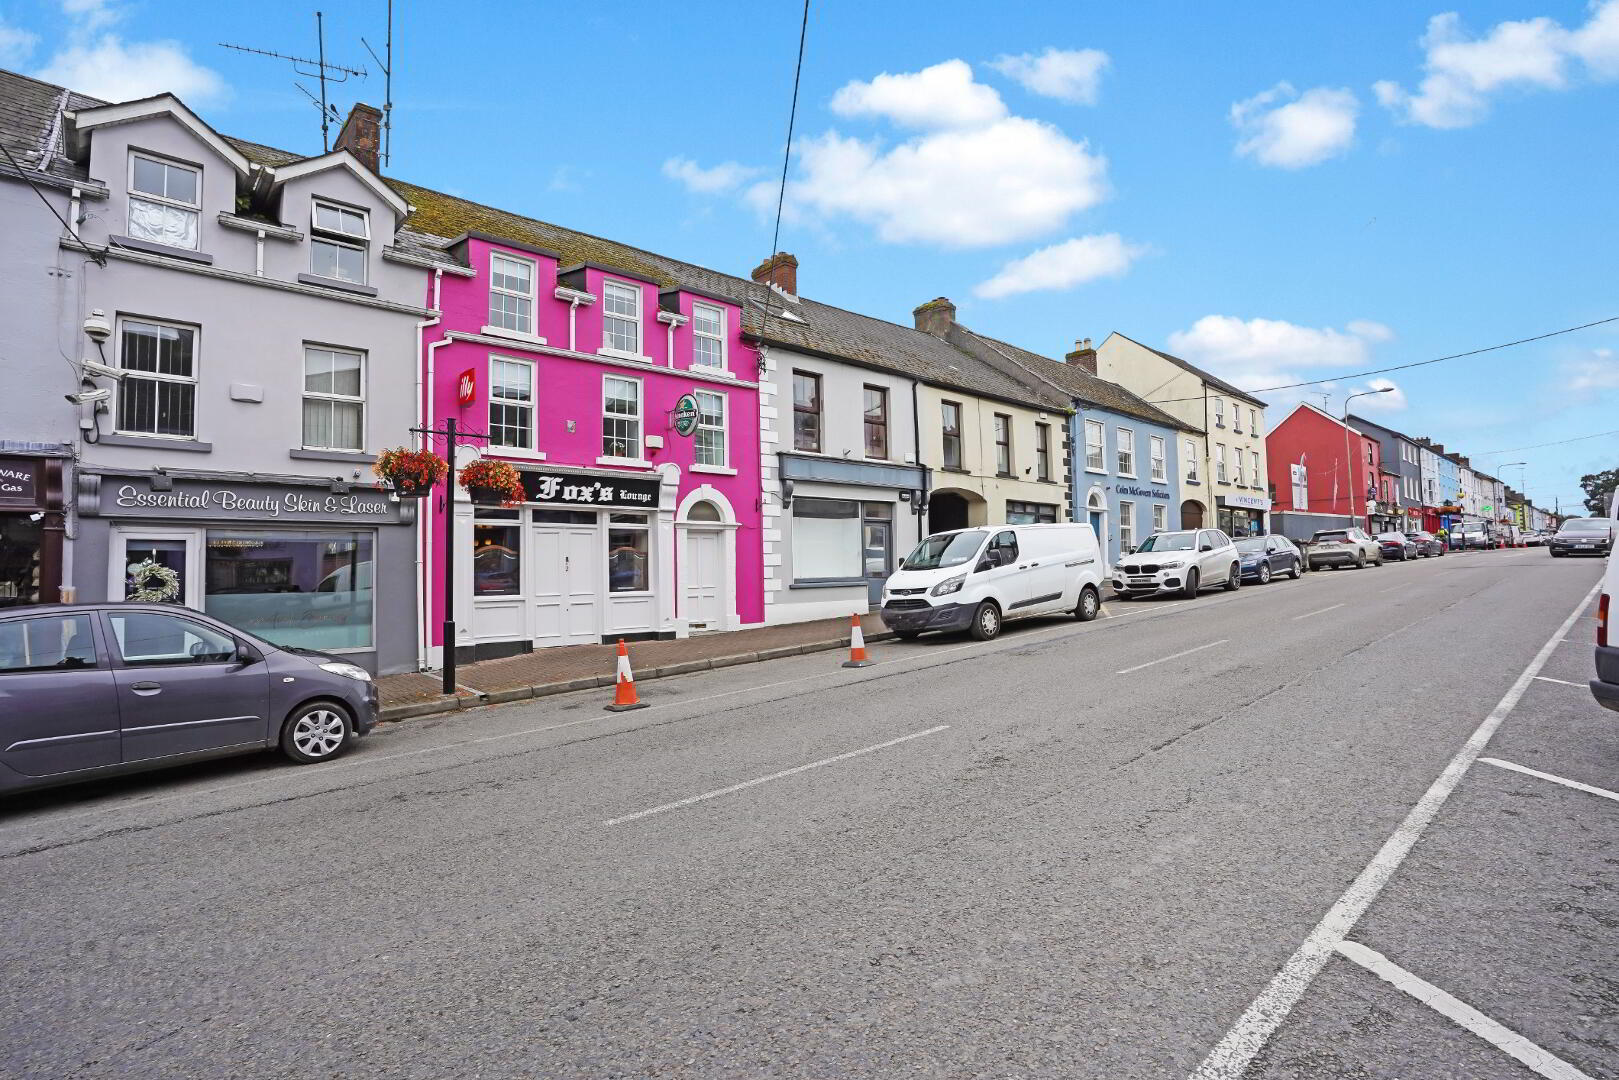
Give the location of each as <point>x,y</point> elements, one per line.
<point>308,563</point>
<point>1241,515</point>
<point>31,529</point>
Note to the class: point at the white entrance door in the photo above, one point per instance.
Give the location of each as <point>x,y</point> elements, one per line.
<point>702,578</point>
<point>179,550</point>
<point>565,605</point>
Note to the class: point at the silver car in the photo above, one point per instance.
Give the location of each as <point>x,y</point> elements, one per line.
<point>1344,547</point>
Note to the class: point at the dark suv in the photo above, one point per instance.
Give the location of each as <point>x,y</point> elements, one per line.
<point>94,690</point>
<point>1582,536</point>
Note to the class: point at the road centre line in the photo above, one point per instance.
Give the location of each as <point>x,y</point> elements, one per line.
<point>1175,656</point>
<point>774,776</point>
<point>1323,611</point>
<point>1503,1038</point>
<point>1575,784</point>
<point>1232,1055</point>
<point>1564,682</point>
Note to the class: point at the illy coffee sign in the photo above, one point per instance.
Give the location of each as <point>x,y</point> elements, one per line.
<point>19,482</point>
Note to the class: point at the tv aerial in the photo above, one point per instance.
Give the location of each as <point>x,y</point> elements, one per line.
<point>322,70</point>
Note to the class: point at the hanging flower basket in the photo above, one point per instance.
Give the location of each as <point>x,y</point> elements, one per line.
<point>411,472</point>
<point>493,483</point>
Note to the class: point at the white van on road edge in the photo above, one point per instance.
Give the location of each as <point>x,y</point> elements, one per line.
<point>975,579</point>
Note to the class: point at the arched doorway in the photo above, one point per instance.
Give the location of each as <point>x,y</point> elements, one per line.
<point>706,530</point>
<point>1096,514</point>
<point>1191,514</point>
<point>946,511</point>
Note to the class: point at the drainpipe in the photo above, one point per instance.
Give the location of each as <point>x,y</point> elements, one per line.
<point>423,419</point>
<point>73,212</point>
<point>258,271</point>
<point>573,311</point>
<point>921,507</point>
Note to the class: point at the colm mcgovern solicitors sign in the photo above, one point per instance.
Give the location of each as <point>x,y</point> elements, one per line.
<point>229,500</point>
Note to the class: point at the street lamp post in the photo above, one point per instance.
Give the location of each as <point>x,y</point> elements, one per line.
<point>1349,486</point>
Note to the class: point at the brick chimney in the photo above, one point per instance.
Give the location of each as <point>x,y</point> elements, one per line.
<point>1083,356</point>
<point>935,317</point>
<point>362,135</point>
<point>1438,447</point>
<point>780,270</point>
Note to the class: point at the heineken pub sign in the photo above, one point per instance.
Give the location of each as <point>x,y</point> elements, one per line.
<point>684,415</point>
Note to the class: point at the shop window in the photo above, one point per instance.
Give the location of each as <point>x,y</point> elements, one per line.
<point>306,589</point>
<point>20,544</point>
<point>497,558</point>
<point>1027,513</point>
<point>158,393</point>
<point>826,540</point>
<point>558,517</point>
<point>173,554</point>
<point>334,399</point>
<point>52,642</point>
<point>629,547</point>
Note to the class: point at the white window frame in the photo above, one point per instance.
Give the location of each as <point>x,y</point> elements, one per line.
<point>1253,421</point>
<point>340,239</point>
<point>1219,463</point>
<point>724,428</point>
<point>1236,419</point>
<point>698,335</point>
<point>532,405</point>
<point>1099,463</point>
<point>1193,459</point>
<point>1042,452</point>
<point>164,200</point>
<point>343,398</point>
<point>608,285</point>
<point>640,423</point>
<point>1253,462</point>
<point>1236,472</point>
<point>1121,436</point>
<point>532,296</point>
<point>1219,412</point>
<point>1160,517</point>
<point>1158,458</point>
<point>194,381</point>
<point>1127,526</point>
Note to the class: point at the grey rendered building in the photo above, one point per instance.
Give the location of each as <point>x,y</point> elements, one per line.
<point>252,322</point>
<point>1402,459</point>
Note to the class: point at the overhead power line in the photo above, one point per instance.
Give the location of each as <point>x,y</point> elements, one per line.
<point>1405,367</point>
<point>1560,442</point>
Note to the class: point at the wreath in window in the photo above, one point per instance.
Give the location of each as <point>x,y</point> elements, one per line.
<point>496,482</point>
<point>152,583</point>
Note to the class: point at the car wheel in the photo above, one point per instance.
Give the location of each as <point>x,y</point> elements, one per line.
<point>1360,560</point>
<point>315,732</point>
<point>1264,573</point>
<point>1189,590</point>
<point>907,635</point>
<point>1089,604</point>
<point>986,621</point>
<point>1295,571</point>
<point>1233,578</point>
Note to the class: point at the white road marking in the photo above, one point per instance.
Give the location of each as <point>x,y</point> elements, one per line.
<point>1307,614</point>
<point>1253,1029</point>
<point>1176,656</point>
<point>774,776</point>
<point>1575,784</point>
<point>1564,682</point>
<point>1497,1035</point>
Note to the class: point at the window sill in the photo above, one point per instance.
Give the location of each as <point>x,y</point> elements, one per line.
<point>337,284</point>
<point>188,254</point>
<point>634,358</point>
<point>1194,482</point>
<point>957,469</point>
<point>156,442</point>
<point>1127,476</point>
<point>713,470</point>
<point>516,452</point>
<point>514,335</point>
<point>631,463</point>
<point>1159,480</point>
<point>1098,472</point>
<point>359,457</point>
<point>830,583</point>
<point>717,372</point>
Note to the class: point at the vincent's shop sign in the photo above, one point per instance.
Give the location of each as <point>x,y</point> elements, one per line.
<point>214,500</point>
<point>581,490</point>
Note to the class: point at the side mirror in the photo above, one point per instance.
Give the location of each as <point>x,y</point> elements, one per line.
<point>247,654</point>
<point>1206,547</point>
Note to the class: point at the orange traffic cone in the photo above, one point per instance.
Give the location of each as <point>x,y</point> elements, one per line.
<point>624,698</point>
<point>857,647</point>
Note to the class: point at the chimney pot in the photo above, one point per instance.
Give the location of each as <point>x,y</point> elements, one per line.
<point>780,270</point>
<point>935,317</point>
<point>362,135</point>
<point>1083,356</point>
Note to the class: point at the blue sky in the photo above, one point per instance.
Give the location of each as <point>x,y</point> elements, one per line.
<point>1277,191</point>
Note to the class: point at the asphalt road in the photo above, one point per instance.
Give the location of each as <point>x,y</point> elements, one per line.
<point>1013,859</point>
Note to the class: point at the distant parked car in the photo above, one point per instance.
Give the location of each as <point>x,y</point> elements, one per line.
<point>1427,543</point>
<point>1474,536</point>
<point>95,690</point>
<point>1396,545</point>
<point>1344,547</point>
<point>1583,536</point>
<point>1183,562</point>
<point>1265,557</point>
<point>1534,539</point>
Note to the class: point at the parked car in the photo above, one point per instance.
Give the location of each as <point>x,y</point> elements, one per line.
<point>1185,562</point>
<point>1605,687</point>
<point>1396,545</point>
<point>95,690</point>
<point>1582,536</point>
<point>1534,539</point>
<point>1344,547</point>
<point>975,579</point>
<point>1473,535</point>
<point>1265,557</point>
<point>1427,543</point>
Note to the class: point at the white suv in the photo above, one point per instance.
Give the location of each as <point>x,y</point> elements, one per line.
<point>1183,562</point>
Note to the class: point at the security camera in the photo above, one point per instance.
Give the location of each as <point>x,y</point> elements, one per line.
<point>96,326</point>
<point>93,367</point>
<point>85,397</point>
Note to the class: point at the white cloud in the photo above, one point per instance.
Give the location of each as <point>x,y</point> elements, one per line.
<point>1071,75</point>
<point>1289,130</point>
<point>108,68</point>
<point>1392,401</point>
<point>1063,266</point>
<point>1599,372</point>
<point>1463,73</point>
<point>726,176</point>
<point>91,15</point>
<point>942,96</point>
<point>16,44</point>
<point>1256,353</point>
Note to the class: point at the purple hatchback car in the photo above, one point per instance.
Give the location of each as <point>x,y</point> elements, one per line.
<point>95,690</point>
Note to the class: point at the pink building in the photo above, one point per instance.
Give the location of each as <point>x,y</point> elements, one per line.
<point>631,410</point>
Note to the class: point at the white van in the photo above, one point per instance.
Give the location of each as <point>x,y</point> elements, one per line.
<point>974,579</point>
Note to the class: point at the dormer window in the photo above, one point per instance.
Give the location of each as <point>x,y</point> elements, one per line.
<point>337,242</point>
<point>511,293</point>
<point>164,201</point>
<point>708,336</point>
<point>621,319</point>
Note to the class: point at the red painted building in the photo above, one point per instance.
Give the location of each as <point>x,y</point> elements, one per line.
<point>1325,474</point>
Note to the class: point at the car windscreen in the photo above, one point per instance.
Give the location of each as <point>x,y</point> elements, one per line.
<point>1252,543</point>
<point>1181,541</point>
<point>946,549</point>
<point>1585,525</point>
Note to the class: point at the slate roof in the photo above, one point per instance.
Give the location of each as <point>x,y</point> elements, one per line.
<point>1213,380</point>
<point>31,128</point>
